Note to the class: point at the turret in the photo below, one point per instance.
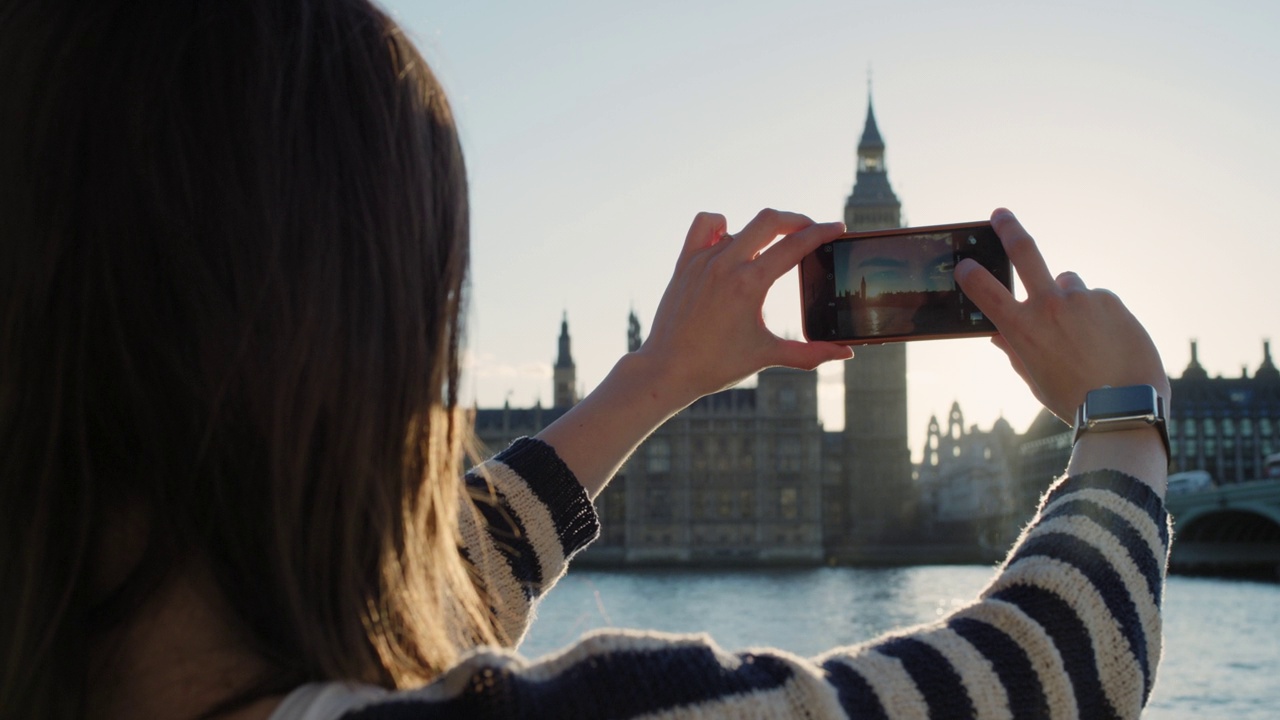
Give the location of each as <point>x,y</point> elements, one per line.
<point>1267,370</point>
<point>564,375</point>
<point>1194,371</point>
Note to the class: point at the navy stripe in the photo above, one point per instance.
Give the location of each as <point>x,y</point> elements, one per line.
<point>856,695</point>
<point>557,488</point>
<point>1069,635</point>
<point>938,682</point>
<point>616,685</point>
<point>1013,666</point>
<point>1125,534</point>
<point>1103,576</point>
<point>1127,487</point>
<point>509,537</point>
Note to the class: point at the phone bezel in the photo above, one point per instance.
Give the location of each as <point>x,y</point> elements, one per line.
<point>812,266</point>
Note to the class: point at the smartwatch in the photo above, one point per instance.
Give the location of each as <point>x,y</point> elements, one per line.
<point>1122,408</point>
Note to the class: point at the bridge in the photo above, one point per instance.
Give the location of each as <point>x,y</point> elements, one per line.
<point>1229,528</point>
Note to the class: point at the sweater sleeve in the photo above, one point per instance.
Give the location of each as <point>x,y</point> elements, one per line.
<point>526,518</point>
<point>1068,628</point>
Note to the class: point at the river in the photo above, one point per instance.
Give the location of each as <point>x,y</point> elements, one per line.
<point>1221,656</point>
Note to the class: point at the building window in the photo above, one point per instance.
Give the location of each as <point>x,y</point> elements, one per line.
<point>723,457</point>
<point>788,503</point>
<point>746,503</point>
<point>658,455</point>
<point>788,454</point>
<point>726,503</point>
<point>787,398</point>
<point>702,503</point>
<point>658,506</point>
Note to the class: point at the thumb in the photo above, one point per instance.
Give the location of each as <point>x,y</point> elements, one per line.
<point>809,355</point>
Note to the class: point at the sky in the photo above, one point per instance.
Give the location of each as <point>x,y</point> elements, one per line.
<point>1139,142</point>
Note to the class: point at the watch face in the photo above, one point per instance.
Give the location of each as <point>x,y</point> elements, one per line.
<point>1120,402</point>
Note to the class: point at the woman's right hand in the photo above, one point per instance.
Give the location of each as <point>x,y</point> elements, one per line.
<point>1065,339</point>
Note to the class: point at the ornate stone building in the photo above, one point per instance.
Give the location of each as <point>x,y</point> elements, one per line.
<point>968,492</point>
<point>735,477</point>
<point>1225,425</point>
<point>748,475</point>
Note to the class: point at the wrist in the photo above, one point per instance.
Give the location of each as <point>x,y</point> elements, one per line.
<point>1118,428</point>
<point>1139,452</point>
<point>664,385</point>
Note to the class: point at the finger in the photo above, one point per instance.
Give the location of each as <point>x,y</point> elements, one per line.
<point>1022,252</point>
<point>808,355</point>
<point>1070,281</point>
<point>988,293</point>
<point>767,225</point>
<point>706,230</point>
<point>790,250</point>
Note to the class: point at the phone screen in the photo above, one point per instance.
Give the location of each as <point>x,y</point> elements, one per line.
<point>898,284</point>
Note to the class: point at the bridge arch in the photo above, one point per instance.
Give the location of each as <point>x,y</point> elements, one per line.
<point>1234,525</point>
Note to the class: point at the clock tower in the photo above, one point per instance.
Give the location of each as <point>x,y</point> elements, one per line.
<point>876,462</point>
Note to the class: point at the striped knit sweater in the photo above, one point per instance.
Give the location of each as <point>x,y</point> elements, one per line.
<point>1068,628</point>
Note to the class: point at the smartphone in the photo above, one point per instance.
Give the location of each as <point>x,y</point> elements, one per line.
<point>898,285</point>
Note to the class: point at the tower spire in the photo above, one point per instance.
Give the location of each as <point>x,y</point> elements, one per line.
<point>565,373</point>
<point>564,358</point>
<point>1268,369</point>
<point>1194,368</point>
<point>633,332</point>
<point>872,205</point>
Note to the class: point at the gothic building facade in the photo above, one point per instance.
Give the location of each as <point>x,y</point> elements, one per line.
<point>1225,425</point>
<point>967,486</point>
<point>977,486</point>
<point>749,475</point>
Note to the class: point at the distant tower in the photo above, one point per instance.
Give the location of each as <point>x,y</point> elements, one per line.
<point>1194,369</point>
<point>877,461</point>
<point>1267,370</point>
<point>633,332</point>
<point>565,374</point>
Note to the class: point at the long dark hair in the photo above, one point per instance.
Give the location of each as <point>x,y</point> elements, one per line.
<point>233,249</point>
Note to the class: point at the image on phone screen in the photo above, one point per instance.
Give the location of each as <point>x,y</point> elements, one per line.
<point>896,286</point>
<point>899,285</point>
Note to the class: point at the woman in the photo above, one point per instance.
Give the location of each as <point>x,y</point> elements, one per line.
<point>234,258</point>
